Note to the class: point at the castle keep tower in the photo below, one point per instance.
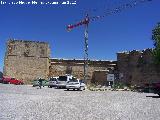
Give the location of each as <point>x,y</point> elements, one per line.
<point>26,60</point>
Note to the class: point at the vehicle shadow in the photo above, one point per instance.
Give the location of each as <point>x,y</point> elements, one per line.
<point>58,88</point>
<point>153,96</point>
<point>72,90</point>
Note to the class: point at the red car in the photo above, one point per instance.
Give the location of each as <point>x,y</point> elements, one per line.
<point>9,80</point>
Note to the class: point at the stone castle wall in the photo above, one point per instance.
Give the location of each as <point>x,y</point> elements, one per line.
<point>26,60</point>
<point>29,60</point>
<point>137,67</point>
<point>76,67</point>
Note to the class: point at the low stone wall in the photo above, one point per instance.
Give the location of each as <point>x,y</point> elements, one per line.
<point>76,67</point>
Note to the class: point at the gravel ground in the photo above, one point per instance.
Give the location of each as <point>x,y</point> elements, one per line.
<point>30,103</point>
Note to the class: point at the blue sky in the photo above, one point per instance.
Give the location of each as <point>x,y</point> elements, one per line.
<point>127,30</point>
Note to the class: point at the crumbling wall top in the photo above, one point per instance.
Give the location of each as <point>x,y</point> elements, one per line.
<point>25,41</point>
<point>27,48</point>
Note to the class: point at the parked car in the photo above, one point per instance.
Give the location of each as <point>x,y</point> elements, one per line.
<point>75,84</point>
<point>155,88</point>
<point>6,80</point>
<point>1,80</point>
<point>9,80</point>
<point>62,81</point>
<point>16,81</point>
<point>151,88</point>
<point>1,77</point>
<point>52,82</point>
<point>36,82</point>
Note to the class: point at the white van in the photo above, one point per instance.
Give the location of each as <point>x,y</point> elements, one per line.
<point>62,80</point>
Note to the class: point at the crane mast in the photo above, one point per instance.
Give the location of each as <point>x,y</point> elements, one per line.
<point>84,22</point>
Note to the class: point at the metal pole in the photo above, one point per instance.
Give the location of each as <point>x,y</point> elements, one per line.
<point>86,50</point>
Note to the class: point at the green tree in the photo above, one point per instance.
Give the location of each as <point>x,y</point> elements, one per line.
<point>156,42</point>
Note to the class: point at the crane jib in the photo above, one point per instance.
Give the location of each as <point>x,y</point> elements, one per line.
<point>83,22</point>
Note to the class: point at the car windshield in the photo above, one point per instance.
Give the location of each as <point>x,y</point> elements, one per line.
<point>81,81</point>
<point>62,78</point>
<point>73,80</point>
<point>52,79</point>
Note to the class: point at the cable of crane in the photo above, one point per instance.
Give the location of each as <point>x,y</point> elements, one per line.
<point>119,9</point>
<point>122,7</point>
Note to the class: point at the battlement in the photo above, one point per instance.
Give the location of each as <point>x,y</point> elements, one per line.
<point>27,48</point>
<point>26,41</point>
<point>125,54</point>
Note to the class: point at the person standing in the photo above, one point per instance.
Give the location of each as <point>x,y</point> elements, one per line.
<point>40,83</point>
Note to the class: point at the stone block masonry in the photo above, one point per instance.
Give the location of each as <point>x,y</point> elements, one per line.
<point>26,60</point>
<point>76,67</point>
<point>137,67</point>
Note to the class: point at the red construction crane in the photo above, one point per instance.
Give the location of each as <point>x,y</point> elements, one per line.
<point>88,19</point>
<point>84,22</point>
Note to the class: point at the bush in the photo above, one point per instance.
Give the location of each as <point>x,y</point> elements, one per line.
<point>120,85</point>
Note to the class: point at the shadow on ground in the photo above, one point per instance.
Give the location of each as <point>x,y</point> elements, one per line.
<point>153,96</point>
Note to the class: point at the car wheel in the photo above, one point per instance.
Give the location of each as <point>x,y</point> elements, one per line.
<point>79,89</point>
